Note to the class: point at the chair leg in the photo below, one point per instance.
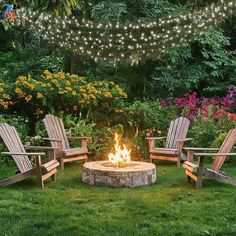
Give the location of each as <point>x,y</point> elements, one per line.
<point>199,182</point>
<point>86,159</point>
<point>200,173</point>
<point>178,161</point>
<point>62,163</point>
<point>40,181</point>
<point>151,159</point>
<point>54,177</point>
<point>188,179</point>
<point>39,172</point>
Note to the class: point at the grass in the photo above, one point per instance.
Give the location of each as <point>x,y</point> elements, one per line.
<point>69,207</point>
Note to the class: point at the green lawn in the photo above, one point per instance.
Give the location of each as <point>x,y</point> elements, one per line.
<point>69,207</point>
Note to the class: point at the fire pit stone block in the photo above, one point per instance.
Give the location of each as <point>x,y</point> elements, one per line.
<point>139,174</point>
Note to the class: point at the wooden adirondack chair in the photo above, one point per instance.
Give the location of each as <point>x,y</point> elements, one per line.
<point>197,171</point>
<point>25,168</point>
<point>58,138</point>
<point>174,143</point>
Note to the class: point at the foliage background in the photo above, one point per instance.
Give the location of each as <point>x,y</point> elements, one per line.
<point>207,66</point>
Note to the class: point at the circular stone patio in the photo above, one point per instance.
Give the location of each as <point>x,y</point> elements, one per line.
<point>137,174</point>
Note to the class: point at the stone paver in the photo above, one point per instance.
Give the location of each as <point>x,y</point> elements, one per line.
<point>95,173</point>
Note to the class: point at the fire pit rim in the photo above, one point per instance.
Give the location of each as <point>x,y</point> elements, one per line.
<point>140,166</point>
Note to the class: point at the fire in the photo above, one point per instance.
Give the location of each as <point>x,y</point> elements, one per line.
<point>122,155</point>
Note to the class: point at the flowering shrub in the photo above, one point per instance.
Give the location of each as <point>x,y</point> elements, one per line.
<point>59,92</point>
<point>211,117</point>
<point>207,131</point>
<point>190,105</point>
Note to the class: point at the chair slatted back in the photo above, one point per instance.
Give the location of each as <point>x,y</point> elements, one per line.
<point>12,141</point>
<point>226,147</point>
<point>55,129</point>
<point>178,130</point>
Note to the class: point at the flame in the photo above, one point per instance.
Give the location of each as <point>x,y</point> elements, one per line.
<point>121,155</point>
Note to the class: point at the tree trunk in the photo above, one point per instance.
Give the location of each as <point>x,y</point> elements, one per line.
<point>32,126</point>
<point>72,62</point>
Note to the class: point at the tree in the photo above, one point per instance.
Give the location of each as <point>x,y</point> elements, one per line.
<point>58,7</point>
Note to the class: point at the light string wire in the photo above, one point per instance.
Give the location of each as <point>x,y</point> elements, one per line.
<point>129,42</point>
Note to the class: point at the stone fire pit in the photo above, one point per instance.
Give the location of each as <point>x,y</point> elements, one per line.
<point>134,175</point>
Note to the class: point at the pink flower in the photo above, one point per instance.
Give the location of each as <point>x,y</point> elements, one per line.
<point>214,101</point>
<point>232,117</point>
<point>226,102</point>
<point>163,103</point>
<point>219,113</point>
<point>75,108</point>
<point>205,100</point>
<point>170,102</point>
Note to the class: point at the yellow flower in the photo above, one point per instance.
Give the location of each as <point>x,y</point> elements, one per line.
<point>18,90</point>
<point>124,94</point>
<point>108,95</point>
<point>46,72</point>
<point>119,111</point>
<point>82,90</point>
<point>81,79</point>
<point>20,93</point>
<point>28,98</point>
<point>68,83</point>
<point>4,104</point>
<point>1,90</point>
<point>89,85</point>
<point>61,75</point>
<point>39,95</point>
<point>100,83</point>
<point>48,76</point>
<point>54,81</point>
<point>39,111</point>
<point>21,79</point>
<point>31,86</point>
<point>68,88</point>
<point>73,93</point>
<point>97,91</point>
<point>92,96</point>
<point>6,96</point>
<point>120,91</point>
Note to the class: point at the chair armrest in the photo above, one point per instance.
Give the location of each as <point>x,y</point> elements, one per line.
<point>214,154</point>
<point>70,137</point>
<point>200,149</point>
<point>52,139</point>
<point>40,147</point>
<point>184,139</point>
<point>23,154</point>
<point>180,143</point>
<point>155,138</point>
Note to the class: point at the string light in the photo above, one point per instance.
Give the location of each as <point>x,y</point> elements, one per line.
<point>130,42</point>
